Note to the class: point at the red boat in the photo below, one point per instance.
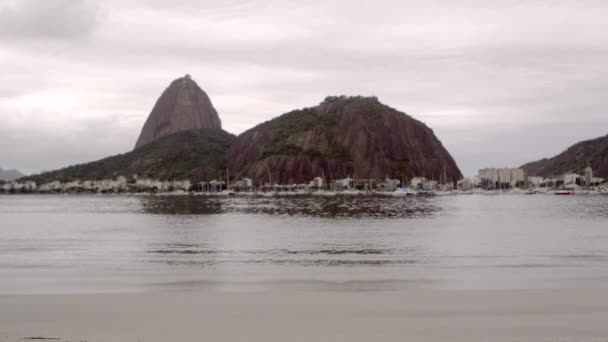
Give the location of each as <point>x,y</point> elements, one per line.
<point>563,192</point>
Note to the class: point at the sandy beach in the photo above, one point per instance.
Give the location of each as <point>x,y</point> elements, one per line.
<point>417,315</point>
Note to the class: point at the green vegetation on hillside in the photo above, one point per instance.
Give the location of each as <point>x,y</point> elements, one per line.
<point>196,155</point>
<point>592,153</point>
<point>290,150</point>
<point>307,119</point>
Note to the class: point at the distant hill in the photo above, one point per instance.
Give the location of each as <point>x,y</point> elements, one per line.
<point>182,106</point>
<point>342,136</point>
<point>196,154</point>
<point>592,152</point>
<point>10,175</point>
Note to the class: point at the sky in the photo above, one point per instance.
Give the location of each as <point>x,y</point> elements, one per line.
<point>501,83</point>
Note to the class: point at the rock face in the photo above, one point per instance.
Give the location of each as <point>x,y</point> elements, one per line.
<point>343,136</point>
<point>197,155</point>
<point>592,153</point>
<point>182,106</point>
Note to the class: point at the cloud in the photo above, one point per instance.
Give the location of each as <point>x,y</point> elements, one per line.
<point>45,140</point>
<point>48,19</point>
<point>499,82</point>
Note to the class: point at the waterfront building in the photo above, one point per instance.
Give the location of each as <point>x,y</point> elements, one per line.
<point>184,185</point>
<point>390,184</point>
<point>150,184</point>
<point>212,186</point>
<point>488,174</point>
<point>245,184</point>
<point>54,186</point>
<point>465,184</point>
<point>493,176</point>
<point>344,184</point>
<point>517,176</point>
<point>418,182</point>
<point>431,185</point>
<point>316,183</point>
<point>504,176</point>
<point>536,181</point>
<point>571,178</point>
<point>71,186</point>
<point>15,186</point>
<point>588,176</point>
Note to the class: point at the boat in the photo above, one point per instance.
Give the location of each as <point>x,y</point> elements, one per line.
<point>324,193</point>
<point>563,192</point>
<point>423,192</point>
<point>403,192</point>
<point>530,192</point>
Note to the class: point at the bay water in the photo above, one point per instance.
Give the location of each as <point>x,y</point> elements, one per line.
<point>119,243</point>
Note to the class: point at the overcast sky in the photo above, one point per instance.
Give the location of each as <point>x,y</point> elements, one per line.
<point>500,82</point>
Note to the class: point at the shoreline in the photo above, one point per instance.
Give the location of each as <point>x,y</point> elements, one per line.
<point>287,194</point>
<point>417,315</point>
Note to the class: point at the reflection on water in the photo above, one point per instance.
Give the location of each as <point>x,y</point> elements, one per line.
<point>180,205</point>
<point>132,243</point>
<point>190,254</point>
<point>314,206</point>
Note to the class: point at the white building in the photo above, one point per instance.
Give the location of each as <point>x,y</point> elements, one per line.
<point>517,176</point>
<point>182,185</point>
<point>345,183</point>
<point>213,186</point>
<point>418,182</point>
<point>571,178</point>
<point>52,186</point>
<point>588,176</point>
<point>503,175</point>
<point>243,184</point>
<point>536,181</point>
<point>13,186</point>
<point>390,184</point>
<point>465,184</point>
<point>488,174</point>
<point>316,183</point>
<point>431,185</point>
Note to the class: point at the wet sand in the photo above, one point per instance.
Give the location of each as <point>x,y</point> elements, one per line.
<point>412,315</point>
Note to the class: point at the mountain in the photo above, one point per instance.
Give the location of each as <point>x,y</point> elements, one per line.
<point>10,175</point>
<point>182,106</point>
<point>342,136</point>
<point>592,153</point>
<point>195,154</point>
<point>182,138</point>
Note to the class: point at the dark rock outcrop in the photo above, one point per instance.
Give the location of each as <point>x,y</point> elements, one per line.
<point>592,153</point>
<point>182,106</point>
<point>343,136</point>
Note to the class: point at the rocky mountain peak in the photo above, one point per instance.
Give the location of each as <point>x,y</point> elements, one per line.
<point>182,106</point>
